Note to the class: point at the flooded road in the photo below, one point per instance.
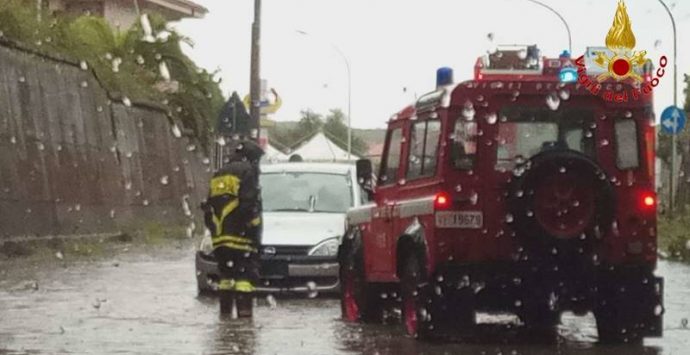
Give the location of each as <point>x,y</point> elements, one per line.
<point>138,304</point>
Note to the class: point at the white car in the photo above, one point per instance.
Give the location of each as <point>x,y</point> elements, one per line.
<point>304,206</point>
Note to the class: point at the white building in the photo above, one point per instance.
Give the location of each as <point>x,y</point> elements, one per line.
<point>124,13</point>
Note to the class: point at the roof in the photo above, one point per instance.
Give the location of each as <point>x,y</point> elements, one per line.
<point>327,168</point>
<point>186,7</point>
<point>320,148</point>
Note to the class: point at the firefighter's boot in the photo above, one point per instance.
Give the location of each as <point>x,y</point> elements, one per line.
<point>244,292</point>
<point>226,296</point>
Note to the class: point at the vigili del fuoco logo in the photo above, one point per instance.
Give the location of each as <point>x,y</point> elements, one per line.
<point>621,63</point>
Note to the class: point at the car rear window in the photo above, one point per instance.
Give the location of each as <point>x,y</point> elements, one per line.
<point>524,132</point>
<point>627,152</point>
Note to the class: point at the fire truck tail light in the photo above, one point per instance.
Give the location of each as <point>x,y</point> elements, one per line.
<point>648,200</point>
<point>441,201</point>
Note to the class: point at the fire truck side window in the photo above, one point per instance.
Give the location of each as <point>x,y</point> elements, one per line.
<point>424,139</point>
<point>391,162</point>
<point>627,156</point>
<point>464,147</point>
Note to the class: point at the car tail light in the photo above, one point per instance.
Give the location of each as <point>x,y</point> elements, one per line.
<point>441,201</point>
<point>648,200</point>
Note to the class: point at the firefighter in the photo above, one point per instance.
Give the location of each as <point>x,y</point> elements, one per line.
<point>232,213</point>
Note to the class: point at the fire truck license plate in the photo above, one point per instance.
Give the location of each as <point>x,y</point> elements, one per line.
<point>459,219</point>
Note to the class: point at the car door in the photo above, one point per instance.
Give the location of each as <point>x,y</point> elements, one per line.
<point>378,240</point>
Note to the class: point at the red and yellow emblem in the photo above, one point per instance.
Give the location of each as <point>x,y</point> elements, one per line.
<point>621,42</point>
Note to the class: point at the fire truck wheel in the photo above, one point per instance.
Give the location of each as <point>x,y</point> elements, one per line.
<point>562,200</point>
<point>629,307</point>
<point>359,300</point>
<point>540,320</point>
<point>416,300</point>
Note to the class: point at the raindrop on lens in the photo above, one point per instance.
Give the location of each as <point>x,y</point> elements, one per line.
<point>164,179</point>
<point>126,101</point>
<point>552,101</point>
<point>83,65</point>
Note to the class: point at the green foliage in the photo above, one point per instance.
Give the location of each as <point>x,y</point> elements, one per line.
<point>333,125</point>
<point>336,129</point>
<point>123,62</point>
<point>674,238</point>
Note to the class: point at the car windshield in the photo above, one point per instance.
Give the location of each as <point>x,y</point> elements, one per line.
<point>524,132</point>
<point>306,192</point>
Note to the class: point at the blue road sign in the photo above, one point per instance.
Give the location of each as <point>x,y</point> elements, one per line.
<point>673,120</point>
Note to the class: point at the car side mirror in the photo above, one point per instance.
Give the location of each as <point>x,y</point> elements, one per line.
<point>365,176</point>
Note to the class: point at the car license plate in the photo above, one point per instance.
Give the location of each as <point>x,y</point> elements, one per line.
<point>459,219</point>
<point>273,269</point>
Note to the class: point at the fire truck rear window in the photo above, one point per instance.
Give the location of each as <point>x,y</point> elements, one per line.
<point>527,131</point>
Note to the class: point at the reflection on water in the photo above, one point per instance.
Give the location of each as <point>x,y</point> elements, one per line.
<point>150,307</point>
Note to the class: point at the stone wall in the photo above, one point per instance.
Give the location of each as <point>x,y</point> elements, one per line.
<point>74,160</point>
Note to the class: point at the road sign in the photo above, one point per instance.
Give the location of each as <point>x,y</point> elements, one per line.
<point>673,120</point>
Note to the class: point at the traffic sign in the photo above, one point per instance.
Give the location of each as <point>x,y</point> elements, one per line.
<point>673,120</point>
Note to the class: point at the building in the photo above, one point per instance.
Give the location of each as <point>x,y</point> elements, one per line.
<point>123,14</point>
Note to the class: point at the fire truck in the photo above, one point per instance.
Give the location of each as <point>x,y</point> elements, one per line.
<point>519,191</point>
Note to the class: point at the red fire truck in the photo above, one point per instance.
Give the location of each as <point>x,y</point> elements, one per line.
<point>519,191</point>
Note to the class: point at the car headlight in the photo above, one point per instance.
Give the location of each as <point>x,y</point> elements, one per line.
<point>328,247</point>
<point>206,245</point>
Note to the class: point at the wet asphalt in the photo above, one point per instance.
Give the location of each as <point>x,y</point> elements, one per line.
<point>136,303</point>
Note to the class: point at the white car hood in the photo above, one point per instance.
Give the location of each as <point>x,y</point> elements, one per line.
<point>301,228</point>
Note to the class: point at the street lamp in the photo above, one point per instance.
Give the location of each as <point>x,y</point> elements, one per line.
<point>567,28</point>
<point>675,104</point>
<point>349,93</point>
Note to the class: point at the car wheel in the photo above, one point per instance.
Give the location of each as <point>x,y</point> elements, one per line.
<point>359,299</point>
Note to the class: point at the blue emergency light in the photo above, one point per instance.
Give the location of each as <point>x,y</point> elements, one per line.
<point>444,76</point>
<point>568,75</point>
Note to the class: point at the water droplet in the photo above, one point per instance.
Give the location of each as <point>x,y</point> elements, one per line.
<point>145,202</point>
<point>84,84</point>
<point>206,161</point>
<point>83,65</point>
<point>272,303</point>
<point>552,101</point>
<point>126,101</point>
<point>604,142</point>
<point>59,255</point>
<point>564,94</point>
<point>164,179</point>
<point>518,303</point>
<point>658,310</point>
<point>684,322</point>
<point>22,79</point>
<point>657,43</point>
<point>509,218</point>
<point>311,287</point>
<point>562,170</point>
<point>140,60</point>
<point>522,54</point>
<point>176,131</point>
<point>468,111</point>
<point>491,118</point>
<point>474,198</point>
<point>627,114</point>
<point>13,140</point>
<point>191,147</point>
<point>40,146</point>
<point>221,141</point>
<point>458,188</point>
<point>77,207</point>
<point>99,108</point>
<point>116,64</point>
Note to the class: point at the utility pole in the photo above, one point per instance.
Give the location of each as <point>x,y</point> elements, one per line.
<point>255,78</point>
<point>672,188</point>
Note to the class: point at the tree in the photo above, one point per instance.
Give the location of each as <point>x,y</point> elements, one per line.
<point>336,129</point>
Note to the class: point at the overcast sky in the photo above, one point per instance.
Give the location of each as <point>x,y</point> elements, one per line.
<point>395,46</point>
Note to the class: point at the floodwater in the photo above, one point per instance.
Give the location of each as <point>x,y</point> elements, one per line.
<point>139,304</point>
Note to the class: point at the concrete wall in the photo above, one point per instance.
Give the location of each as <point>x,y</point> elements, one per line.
<point>74,161</point>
